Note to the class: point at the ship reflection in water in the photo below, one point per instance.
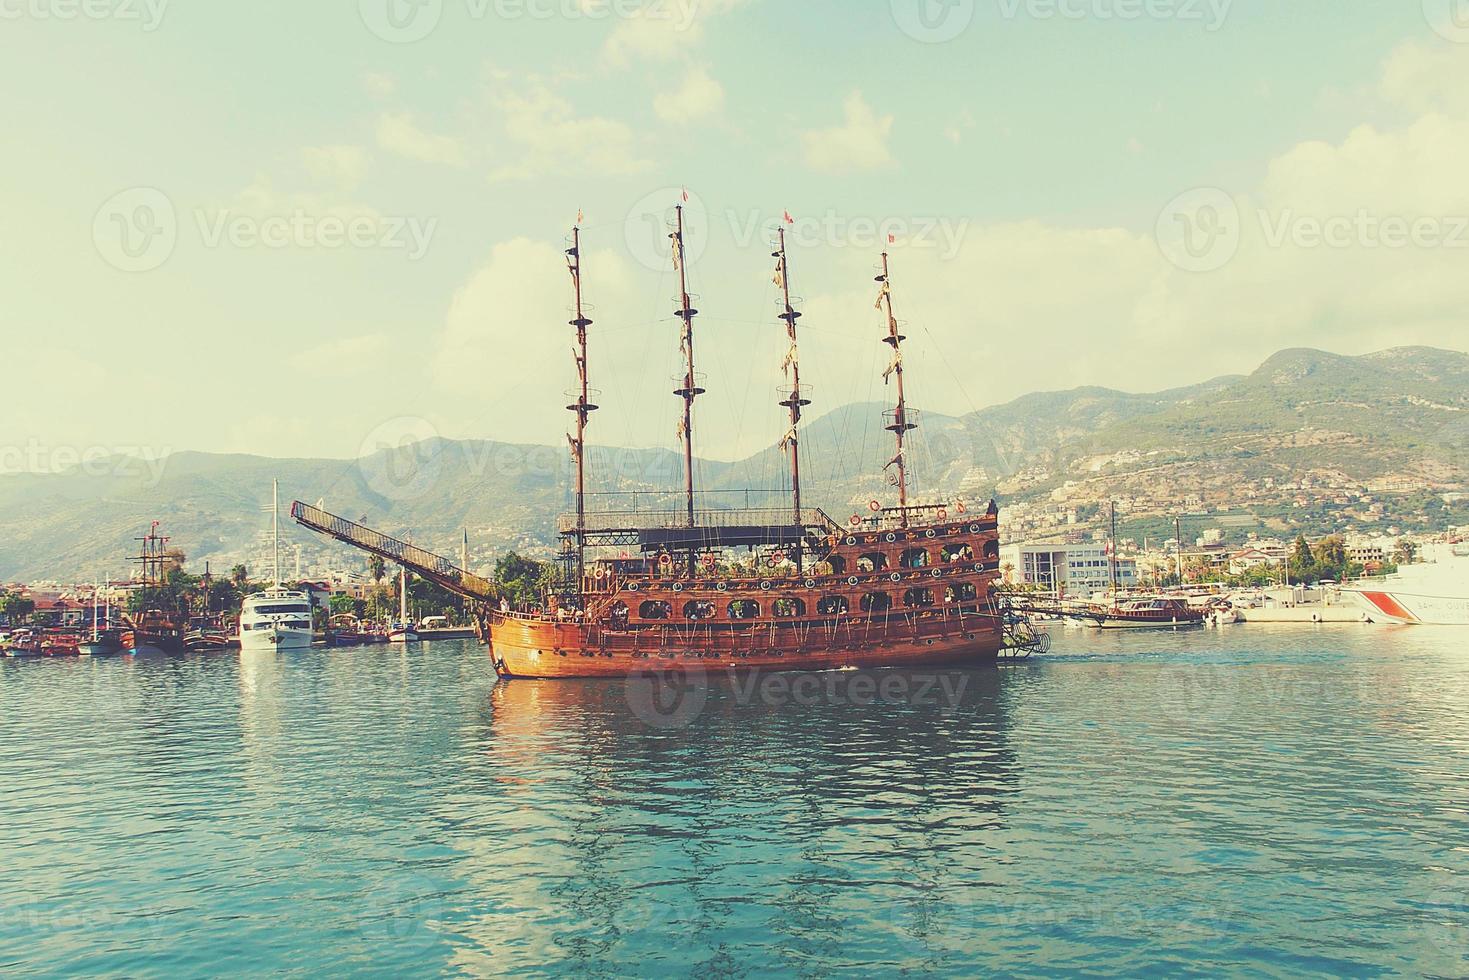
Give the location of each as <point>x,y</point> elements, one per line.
<point>1258,800</point>
<point>754,813</point>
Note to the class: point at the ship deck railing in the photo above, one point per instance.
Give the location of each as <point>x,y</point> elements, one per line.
<point>888,518</point>
<point>632,520</point>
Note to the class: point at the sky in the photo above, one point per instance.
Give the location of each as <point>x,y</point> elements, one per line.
<point>313,229</point>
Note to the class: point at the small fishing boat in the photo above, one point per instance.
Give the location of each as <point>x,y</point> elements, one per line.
<point>207,636</point>
<point>106,639</point>
<point>103,643</point>
<point>345,630</point>
<point>24,644</point>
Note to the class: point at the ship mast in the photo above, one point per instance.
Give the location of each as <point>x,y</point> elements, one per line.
<point>690,389</point>
<point>900,425</point>
<point>1112,553</point>
<point>794,400</point>
<point>583,407</point>
<point>275,519</point>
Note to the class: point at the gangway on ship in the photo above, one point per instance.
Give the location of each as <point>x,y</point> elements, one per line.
<point>425,564</point>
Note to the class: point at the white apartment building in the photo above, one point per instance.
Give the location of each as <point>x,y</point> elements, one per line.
<point>1077,570</point>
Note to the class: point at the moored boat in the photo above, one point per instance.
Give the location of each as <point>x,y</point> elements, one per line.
<point>277,618</point>
<point>898,585</point>
<point>403,631</point>
<point>1151,613</point>
<point>151,633</point>
<point>103,643</point>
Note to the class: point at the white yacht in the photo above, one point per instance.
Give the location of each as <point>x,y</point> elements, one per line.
<point>278,618</point>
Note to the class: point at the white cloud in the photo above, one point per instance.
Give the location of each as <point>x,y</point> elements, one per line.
<point>661,31</point>
<point>700,95</point>
<point>1427,78</point>
<point>1061,307</point>
<point>346,356</point>
<point>506,342</point>
<point>954,132</point>
<point>379,85</point>
<point>342,165</point>
<point>397,133</point>
<point>551,138</point>
<point>859,143</point>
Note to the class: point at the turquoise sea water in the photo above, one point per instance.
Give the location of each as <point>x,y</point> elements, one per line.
<point>1250,801</point>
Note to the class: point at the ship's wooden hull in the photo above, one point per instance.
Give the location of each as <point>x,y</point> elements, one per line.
<point>533,648</point>
<point>887,597</point>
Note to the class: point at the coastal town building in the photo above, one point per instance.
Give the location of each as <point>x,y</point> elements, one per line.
<point>1071,569</point>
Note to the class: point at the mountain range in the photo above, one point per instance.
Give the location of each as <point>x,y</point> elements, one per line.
<point>1400,414</point>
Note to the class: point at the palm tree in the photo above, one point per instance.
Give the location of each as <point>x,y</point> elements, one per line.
<point>240,577</point>
<point>377,568</point>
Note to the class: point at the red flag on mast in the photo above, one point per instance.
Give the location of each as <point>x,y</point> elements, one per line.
<point>789,219</point>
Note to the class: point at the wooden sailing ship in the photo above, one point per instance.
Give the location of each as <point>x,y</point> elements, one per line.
<point>893,586</point>
<point>152,630</point>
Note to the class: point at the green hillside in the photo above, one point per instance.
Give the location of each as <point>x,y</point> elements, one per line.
<point>1401,415</point>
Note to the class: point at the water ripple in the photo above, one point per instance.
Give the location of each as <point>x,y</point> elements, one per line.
<point>1250,801</point>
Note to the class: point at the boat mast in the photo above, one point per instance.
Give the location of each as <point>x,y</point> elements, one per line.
<point>1178,547</point>
<point>900,425</point>
<point>1112,553</point>
<point>582,407</point>
<point>690,389</point>
<point>275,520</point>
<point>794,400</point>
<point>403,595</point>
